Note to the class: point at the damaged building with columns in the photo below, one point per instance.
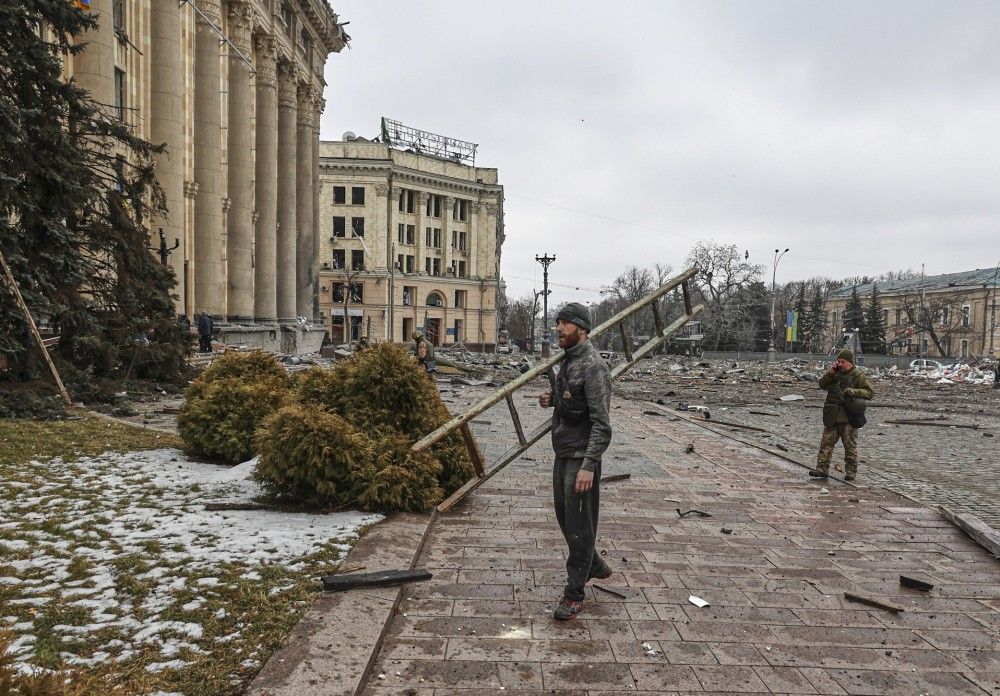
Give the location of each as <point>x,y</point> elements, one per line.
<point>411,237</point>
<point>234,89</point>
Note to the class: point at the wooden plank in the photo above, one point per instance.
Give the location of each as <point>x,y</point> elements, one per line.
<point>16,291</point>
<point>981,533</point>
<point>872,602</point>
<point>516,418</point>
<point>475,454</point>
<point>626,348</point>
<point>901,421</point>
<point>615,477</point>
<point>384,578</point>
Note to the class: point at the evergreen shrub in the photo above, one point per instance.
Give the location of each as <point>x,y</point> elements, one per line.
<point>310,455</point>
<point>394,479</point>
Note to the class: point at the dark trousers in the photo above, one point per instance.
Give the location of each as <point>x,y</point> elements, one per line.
<point>577,515</point>
<point>205,343</point>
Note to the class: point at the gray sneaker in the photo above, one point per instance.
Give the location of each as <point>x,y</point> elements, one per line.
<point>567,609</point>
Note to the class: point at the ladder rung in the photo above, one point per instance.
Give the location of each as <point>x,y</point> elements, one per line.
<point>625,346</point>
<point>517,420</point>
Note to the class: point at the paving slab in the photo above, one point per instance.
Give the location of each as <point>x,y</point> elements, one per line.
<point>777,621</point>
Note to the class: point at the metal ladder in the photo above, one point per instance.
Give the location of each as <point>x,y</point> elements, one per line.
<point>527,439</point>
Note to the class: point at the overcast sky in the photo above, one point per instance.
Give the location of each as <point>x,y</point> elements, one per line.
<point>864,136</point>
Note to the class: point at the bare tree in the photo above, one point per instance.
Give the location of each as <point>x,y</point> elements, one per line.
<point>349,293</point>
<point>939,318</point>
<point>725,273</point>
<point>521,317</point>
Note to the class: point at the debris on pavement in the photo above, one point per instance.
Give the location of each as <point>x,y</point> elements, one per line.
<point>915,584</point>
<point>615,477</point>
<point>693,511</point>
<point>698,602</point>
<point>872,602</point>
<point>385,578</point>
<point>610,592</point>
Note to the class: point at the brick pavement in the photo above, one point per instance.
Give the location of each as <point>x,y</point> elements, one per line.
<point>777,623</point>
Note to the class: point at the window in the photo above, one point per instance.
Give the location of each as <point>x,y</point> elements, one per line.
<point>427,265</point>
<point>409,264</point>
<point>460,210</point>
<point>966,316</point>
<point>118,15</point>
<point>406,201</point>
<point>459,241</point>
<point>436,238</point>
<point>460,298</point>
<point>461,269</point>
<point>945,315</point>
<point>357,293</point>
<point>400,262</point>
<point>885,317</point>
<point>433,206</point>
<point>339,259</point>
<point>357,260</point>
<point>288,19</point>
<point>436,267</point>
<point>306,46</point>
<point>339,195</point>
<point>409,295</point>
<point>400,233</point>
<point>339,224</point>
<point>411,234</point>
<point>120,94</point>
<point>458,331</point>
<point>833,323</point>
<point>435,300</point>
<point>965,347</point>
<point>357,195</point>
<point>899,316</point>
<point>358,226</point>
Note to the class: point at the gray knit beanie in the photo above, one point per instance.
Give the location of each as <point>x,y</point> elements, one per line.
<point>575,313</point>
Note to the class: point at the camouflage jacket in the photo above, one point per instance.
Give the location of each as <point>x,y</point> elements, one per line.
<point>833,407</point>
<point>581,425</point>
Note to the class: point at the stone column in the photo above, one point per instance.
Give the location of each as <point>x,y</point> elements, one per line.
<point>239,223</point>
<point>265,306</point>
<point>447,253</point>
<point>208,232</point>
<point>423,251</point>
<point>319,105</point>
<point>94,68</point>
<point>287,214</point>
<point>304,258</point>
<point>165,126</point>
<point>378,245</point>
<point>473,241</point>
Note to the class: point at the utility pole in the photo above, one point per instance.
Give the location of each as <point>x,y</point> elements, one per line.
<point>545,261</point>
<point>993,308</point>
<point>772,353</point>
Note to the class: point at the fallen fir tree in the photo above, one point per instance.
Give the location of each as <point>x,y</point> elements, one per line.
<point>329,437</point>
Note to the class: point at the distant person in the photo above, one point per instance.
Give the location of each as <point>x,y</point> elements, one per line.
<point>996,374</point>
<point>581,432</point>
<point>205,326</point>
<point>424,352</point>
<point>844,385</point>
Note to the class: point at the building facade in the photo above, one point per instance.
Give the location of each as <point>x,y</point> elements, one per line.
<point>954,315</point>
<point>411,242</point>
<point>234,89</point>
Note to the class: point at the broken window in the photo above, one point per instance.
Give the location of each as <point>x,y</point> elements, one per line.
<point>409,264</point>
<point>358,226</point>
<point>406,201</point>
<point>356,294</point>
<point>357,195</point>
<point>288,19</point>
<point>461,241</point>
<point>427,265</point>
<point>400,262</point>
<point>460,298</point>
<point>411,234</point>
<point>339,226</point>
<point>357,260</point>
<point>966,316</point>
<point>460,211</point>
<point>339,195</point>
<point>339,258</point>
<point>118,15</point>
<point>461,269</point>
<point>120,94</point>
<point>409,295</point>
<point>458,330</point>
<point>434,206</point>
<point>435,300</point>
<point>945,315</point>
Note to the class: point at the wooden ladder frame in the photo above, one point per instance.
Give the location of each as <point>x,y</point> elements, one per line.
<point>546,367</point>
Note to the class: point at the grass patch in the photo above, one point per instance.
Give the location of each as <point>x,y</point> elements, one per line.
<point>22,441</point>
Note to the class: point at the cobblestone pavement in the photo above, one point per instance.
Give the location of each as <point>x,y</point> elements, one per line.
<point>957,467</point>
<point>777,621</point>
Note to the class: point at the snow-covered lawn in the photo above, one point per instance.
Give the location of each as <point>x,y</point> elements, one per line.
<point>112,563</point>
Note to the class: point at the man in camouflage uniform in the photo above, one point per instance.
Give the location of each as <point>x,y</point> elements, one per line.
<point>581,432</point>
<point>424,351</point>
<point>843,381</point>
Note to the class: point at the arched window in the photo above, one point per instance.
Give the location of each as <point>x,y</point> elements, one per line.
<point>435,299</point>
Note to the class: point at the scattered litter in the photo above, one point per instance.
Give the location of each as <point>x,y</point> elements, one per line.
<point>693,511</point>
<point>698,602</point>
<point>824,491</point>
<point>615,477</point>
<point>652,413</point>
<point>915,584</point>
<point>793,397</point>
<point>689,449</point>
<point>610,592</point>
<point>872,602</point>
<point>726,530</point>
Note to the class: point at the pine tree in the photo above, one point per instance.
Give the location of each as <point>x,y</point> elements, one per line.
<point>817,322</point>
<point>76,193</point>
<point>802,310</point>
<point>873,335</point>
<point>854,313</point>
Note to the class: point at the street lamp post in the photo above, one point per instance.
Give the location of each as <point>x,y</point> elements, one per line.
<point>772,353</point>
<point>545,261</point>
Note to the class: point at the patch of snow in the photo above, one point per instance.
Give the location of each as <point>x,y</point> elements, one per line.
<point>162,666</point>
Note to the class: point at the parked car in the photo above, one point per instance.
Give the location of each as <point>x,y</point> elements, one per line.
<point>924,365</point>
